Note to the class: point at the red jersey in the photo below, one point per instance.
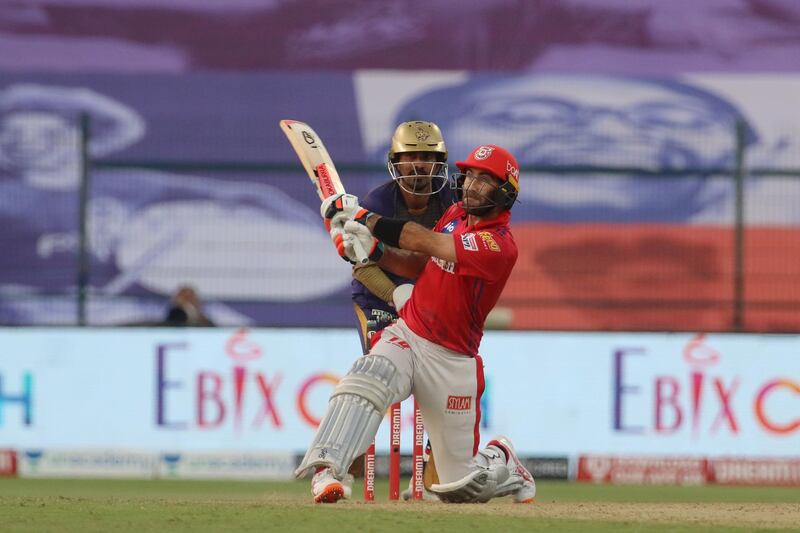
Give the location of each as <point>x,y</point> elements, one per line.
<point>450,301</point>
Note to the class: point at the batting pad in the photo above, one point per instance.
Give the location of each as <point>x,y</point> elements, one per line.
<point>355,412</point>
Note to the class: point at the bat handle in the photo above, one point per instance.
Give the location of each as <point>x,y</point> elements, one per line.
<point>361,254</point>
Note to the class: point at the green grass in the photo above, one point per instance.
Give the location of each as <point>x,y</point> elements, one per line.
<point>124,505</point>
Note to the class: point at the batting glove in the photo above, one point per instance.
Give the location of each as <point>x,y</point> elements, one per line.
<point>353,231</point>
<point>338,208</point>
<point>345,245</point>
<point>338,238</point>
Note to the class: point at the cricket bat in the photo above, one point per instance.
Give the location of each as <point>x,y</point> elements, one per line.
<point>319,166</point>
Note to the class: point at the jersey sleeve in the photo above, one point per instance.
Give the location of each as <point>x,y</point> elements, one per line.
<point>370,202</point>
<point>486,254</point>
<point>449,215</point>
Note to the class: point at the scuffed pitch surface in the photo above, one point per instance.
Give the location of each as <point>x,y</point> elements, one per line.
<point>121,506</point>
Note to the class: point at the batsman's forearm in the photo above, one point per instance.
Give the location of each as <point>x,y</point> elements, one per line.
<point>413,237</point>
<point>403,262</point>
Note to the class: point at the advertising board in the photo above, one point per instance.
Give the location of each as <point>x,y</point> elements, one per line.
<point>554,394</point>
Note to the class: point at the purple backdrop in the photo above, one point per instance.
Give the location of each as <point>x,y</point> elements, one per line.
<point>621,36</point>
<point>249,240</point>
<point>208,81</point>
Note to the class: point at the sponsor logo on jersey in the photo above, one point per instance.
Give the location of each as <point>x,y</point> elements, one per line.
<point>484,152</point>
<point>447,266</point>
<point>449,227</point>
<point>459,403</point>
<point>468,242</point>
<point>488,241</point>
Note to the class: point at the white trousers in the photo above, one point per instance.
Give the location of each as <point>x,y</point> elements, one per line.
<point>447,386</point>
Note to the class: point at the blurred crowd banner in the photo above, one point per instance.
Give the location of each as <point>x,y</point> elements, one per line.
<point>624,36</point>
<point>648,203</point>
<point>265,390</point>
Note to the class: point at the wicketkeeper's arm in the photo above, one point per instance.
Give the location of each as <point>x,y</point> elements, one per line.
<point>376,280</point>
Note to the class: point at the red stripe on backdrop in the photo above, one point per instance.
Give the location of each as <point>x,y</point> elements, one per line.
<point>481,387</point>
<point>624,277</point>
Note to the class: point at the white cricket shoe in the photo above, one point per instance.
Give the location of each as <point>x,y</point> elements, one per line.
<point>326,488</point>
<point>520,483</point>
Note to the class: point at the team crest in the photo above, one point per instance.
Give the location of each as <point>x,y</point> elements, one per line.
<point>421,135</point>
<point>484,152</point>
<point>468,242</point>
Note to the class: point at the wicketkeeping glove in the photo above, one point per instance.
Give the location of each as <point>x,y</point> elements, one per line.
<point>401,294</point>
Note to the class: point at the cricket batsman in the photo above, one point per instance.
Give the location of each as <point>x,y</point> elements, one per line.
<point>431,351</point>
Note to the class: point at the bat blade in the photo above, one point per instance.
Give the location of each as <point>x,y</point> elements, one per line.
<point>328,184</point>
<point>314,156</point>
<point>318,165</point>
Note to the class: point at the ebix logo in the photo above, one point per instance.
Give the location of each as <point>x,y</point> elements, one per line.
<point>22,398</point>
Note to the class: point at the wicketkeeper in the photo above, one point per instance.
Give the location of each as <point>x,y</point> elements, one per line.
<point>431,351</point>
<point>418,191</point>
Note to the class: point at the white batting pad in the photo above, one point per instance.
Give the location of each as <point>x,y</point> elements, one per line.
<point>354,413</point>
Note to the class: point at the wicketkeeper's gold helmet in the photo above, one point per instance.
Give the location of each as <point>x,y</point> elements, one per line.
<point>418,136</point>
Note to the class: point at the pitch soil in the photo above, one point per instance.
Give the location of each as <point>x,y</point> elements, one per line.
<point>755,515</point>
<point>696,515</point>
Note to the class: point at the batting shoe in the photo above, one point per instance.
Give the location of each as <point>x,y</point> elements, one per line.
<point>520,484</point>
<point>326,488</point>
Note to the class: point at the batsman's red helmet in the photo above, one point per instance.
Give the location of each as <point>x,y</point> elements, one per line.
<point>499,163</point>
